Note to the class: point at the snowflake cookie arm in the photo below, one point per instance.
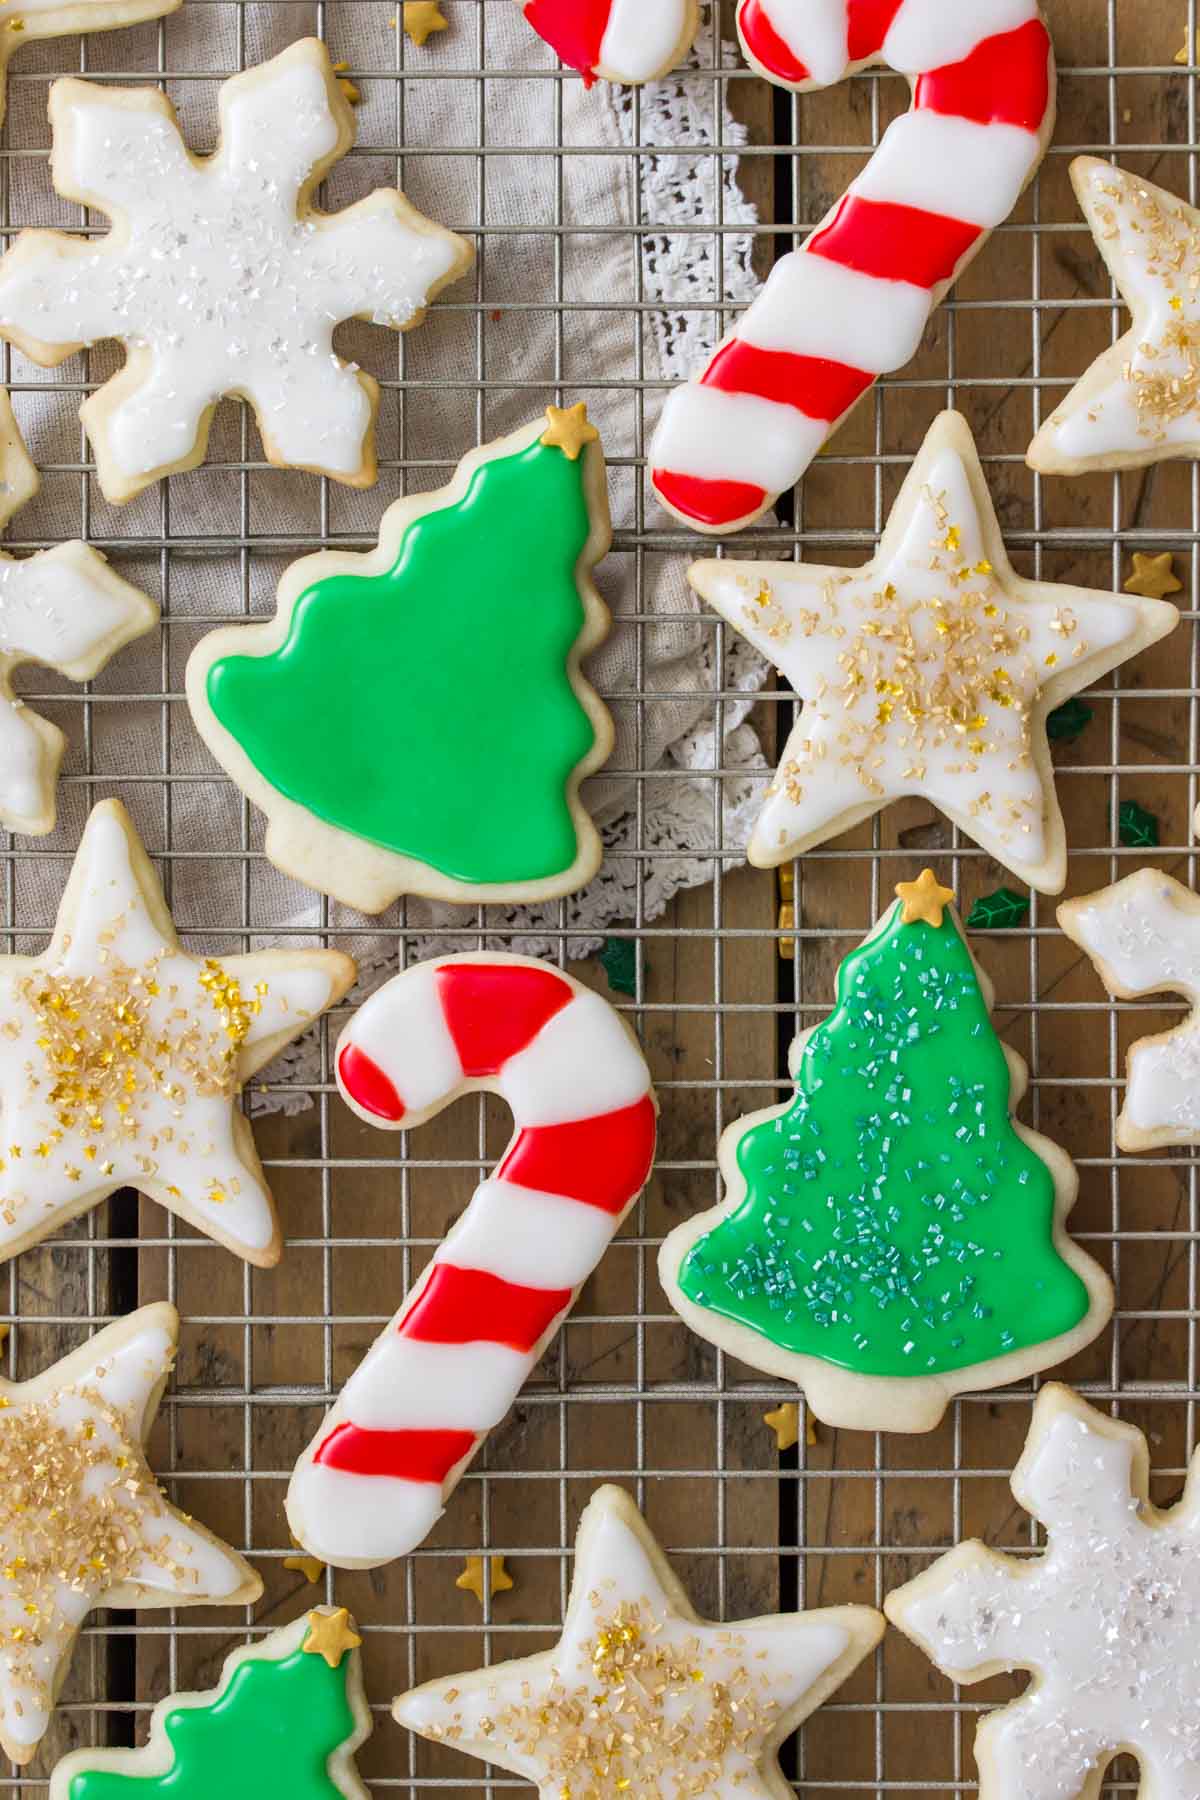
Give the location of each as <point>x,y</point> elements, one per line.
<point>1143,936</point>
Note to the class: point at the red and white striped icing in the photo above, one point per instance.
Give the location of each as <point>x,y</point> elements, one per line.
<point>621,40</point>
<point>854,302</point>
<point>448,1367</point>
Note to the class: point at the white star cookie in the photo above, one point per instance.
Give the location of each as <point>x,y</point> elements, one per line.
<point>640,1696</point>
<point>220,276</point>
<point>1143,934</point>
<point>21,21</point>
<point>83,1522</point>
<point>122,1057</point>
<point>1140,402</point>
<point>931,671</point>
<point>64,608</point>
<point>1107,1620</point>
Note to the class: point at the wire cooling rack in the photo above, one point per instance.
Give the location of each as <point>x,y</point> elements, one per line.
<point>625,1394</point>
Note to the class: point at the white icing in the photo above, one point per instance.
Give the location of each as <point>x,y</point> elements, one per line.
<point>855,745</point>
<point>949,166</point>
<point>585,1043</point>
<point>816,32</point>
<point>402,1385</point>
<point>178,1146</point>
<point>533,1239</point>
<point>581,1064</point>
<point>107,1402</point>
<point>641,37</point>
<point>733,437</point>
<point>814,307</point>
<point>1109,1618</point>
<point>785,1656</point>
<point>213,278</point>
<point>402,1030</point>
<point>930,34</point>
<point>329,1510</point>
<point>1146,934</point>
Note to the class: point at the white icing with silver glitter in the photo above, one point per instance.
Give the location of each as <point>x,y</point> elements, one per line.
<point>1145,931</point>
<point>1108,1618</point>
<point>211,278</point>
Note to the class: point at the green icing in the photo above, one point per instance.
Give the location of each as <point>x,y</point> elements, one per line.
<point>893,1222</point>
<point>428,710</point>
<point>270,1730</point>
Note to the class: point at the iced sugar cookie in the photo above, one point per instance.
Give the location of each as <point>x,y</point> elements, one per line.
<point>931,671</point>
<point>23,21</point>
<point>286,1717</point>
<point>1143,934</point>
<point>1107,1620</point>
<point>83,1522</point>
<point>1139,402</point>
<point>220,276</point>
<point>616,40</point>
<point>124,1057</point>
<point>65,609</point>
<point>640,1695</point>
<point>476,608</point>
<point>853,304</point>
<point>450,1364</point>
<point>892,1236</point>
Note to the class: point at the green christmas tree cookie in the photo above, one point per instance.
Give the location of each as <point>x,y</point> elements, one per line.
<point>285,1719</point>
<point>891,1236</point>
<point>414,720</point>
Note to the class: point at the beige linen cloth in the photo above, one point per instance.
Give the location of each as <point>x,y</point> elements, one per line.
<point>564,292</point>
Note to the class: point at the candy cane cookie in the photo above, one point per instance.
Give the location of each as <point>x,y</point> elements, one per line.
<point>854,302</point>
<point>628,41</point>
<point>449,1365</point>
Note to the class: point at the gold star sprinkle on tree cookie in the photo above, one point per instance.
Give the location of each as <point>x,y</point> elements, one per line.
<point>83,1522</point>
<point>479,1570</point>
<point>931,672</point>
<point>568,429</point>
<point>331,1634</point>
<point>1139,402</point>
<point>925,898</point>
<point>123,1057</point>
<point>639,1688</point>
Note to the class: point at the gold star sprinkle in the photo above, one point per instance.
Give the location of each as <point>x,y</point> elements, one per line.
<point>1184,56</point>
<point>311,1567</point>
<point>331,1634</point>
<point>1153,577</point>
<point>568,429</point>
<point>924,899</point>
<point>477,1569</point>
<point>348,87</point>
<point>785,1423</point>
<point>421,19</point>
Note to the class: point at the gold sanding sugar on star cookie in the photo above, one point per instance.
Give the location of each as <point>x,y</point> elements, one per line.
<point>568,429</point>
<point>924,899</point>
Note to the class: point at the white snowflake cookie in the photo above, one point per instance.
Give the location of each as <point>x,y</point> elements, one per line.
<point>929,672</point>
<point>65,609</point>
<point>83,1523</point>
<point>24,21</point>
<point>1143,934</point>
<point>220,276</point>
<point>124,1057</point>
<point>1107,1620</point>
<point>641,1696</point>
<point>1139,402</point>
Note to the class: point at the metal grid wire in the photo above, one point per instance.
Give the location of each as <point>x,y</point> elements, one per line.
<point>625,1394</point>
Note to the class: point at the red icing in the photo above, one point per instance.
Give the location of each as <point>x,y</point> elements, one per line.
<point>814,385</point>
<point>603,1161</point>
<point>1005,81</point>
<point>494,1010</point>
<point>708,502</point>
<point>894,243</point>
<point>869,23</point>
<point>467,1306</point>
<point>766,46</point>
<point>411,1455</point>
<point>572,28</point>
<point>366,1083</point>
